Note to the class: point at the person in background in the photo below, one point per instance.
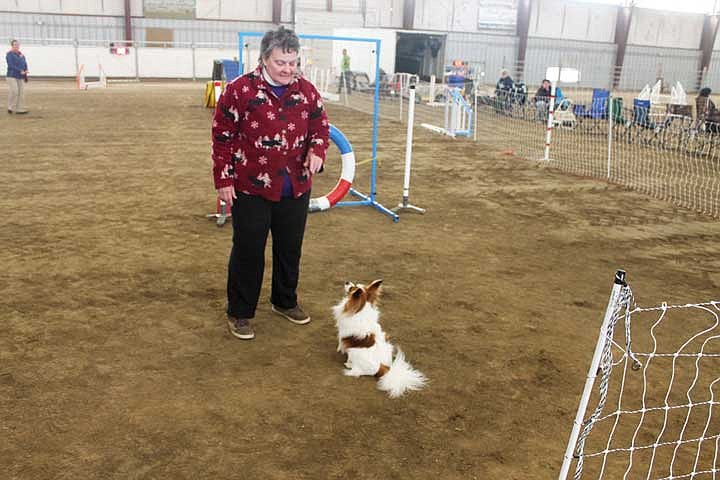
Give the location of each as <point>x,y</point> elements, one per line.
<point>542,100</point>
<point>17,76</point>
<point>505,84</point>
<point>707,112</point>
<point>345,72</point>
<point>270,133</point>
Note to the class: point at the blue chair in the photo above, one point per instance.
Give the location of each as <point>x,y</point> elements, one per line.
<point>231,69</point>
<point>598,105</point>
<point>641,113</point>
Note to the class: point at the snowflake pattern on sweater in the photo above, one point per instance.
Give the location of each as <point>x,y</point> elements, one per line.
<point>257,137</point>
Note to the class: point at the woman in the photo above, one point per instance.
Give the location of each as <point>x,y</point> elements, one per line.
<point>270,134</point>
<point>17,74</point>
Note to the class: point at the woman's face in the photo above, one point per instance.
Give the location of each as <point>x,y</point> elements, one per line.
<point>281,65</point>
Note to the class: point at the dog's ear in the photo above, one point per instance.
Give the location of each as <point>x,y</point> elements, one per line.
<point>373,290</point>
<point>356,300</point>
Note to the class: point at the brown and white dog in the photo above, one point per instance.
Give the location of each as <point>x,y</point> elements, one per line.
<point>361,337</point>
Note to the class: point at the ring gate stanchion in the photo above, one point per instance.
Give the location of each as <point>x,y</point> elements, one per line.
<point>408,158</point>
<point>346,176</point>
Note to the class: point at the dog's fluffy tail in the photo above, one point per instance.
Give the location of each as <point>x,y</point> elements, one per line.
<point>401,377</point>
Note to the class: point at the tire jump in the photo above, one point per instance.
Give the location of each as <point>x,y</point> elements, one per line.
<point>346,175</point>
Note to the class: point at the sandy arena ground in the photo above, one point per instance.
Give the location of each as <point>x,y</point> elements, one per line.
<point>115,361</point>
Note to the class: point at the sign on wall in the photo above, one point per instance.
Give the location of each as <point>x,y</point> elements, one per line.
<point>170,8</point>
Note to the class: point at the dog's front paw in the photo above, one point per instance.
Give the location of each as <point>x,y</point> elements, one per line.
<point>348,365</point>
<point>353,373</point>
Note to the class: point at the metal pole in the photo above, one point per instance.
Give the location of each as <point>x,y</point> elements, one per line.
<point>137,60</point>
<point>192,49</point>
<point>610,133</point>
<point>408,158</point>
<point>618,284</point>
<point>400,85</point>
<point>376,116</point>
<point>76,45</point>
<point>476,115</point>
<point>548,135</point>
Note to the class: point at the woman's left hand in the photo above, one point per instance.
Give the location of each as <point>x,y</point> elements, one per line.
<point>313,163</point>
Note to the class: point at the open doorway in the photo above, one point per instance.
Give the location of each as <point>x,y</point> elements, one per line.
<point>421,54</point>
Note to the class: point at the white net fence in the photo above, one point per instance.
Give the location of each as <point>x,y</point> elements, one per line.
<point>655,408</point>
<point>659,148</point>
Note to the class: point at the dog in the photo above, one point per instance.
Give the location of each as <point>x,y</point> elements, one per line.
<point>368,350</point>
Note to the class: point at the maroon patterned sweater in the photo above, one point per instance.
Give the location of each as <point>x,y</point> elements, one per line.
<point>256,137</point>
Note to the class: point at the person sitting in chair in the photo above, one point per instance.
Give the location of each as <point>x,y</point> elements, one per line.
<point>542,99</point>
<point>504,84</point>
<point>707,112</point>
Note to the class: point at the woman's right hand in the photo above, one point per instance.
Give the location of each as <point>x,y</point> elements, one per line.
<point>227,194</point>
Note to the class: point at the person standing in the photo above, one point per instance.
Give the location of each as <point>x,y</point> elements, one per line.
<point>17,75</point>
<point>345,72</point>
<point>270,134</point>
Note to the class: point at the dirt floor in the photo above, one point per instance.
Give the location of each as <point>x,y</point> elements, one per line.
<point>115,361</point>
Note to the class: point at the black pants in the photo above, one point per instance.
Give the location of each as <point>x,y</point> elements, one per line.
<point>252,218</point>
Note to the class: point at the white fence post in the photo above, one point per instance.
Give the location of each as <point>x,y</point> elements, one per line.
<point>615,297</point>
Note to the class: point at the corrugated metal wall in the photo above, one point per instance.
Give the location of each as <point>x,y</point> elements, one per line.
<point>198,31</point>
<point>38,28</point>
<point>44,26</point>
<point>594,60</point>
<point>644,65</point>
<point>485,53</point>
<point>712,77</point>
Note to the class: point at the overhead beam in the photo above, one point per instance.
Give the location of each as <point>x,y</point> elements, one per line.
<point>128,23</point>
<point>277,12</point>
<point>522,29</point>
<point>622,32</point>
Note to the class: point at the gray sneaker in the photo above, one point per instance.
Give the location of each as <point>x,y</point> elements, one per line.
<point>240,328</point>
<point>296,314</point>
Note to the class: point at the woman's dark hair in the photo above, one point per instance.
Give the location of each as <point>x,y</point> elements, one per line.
<point>13,41</point>
<point>282,38</point>
<point>705,92</point>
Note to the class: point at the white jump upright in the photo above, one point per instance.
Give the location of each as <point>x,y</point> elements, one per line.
<point>458,115</point>
<point>82,84</point>
<point>405,205</point>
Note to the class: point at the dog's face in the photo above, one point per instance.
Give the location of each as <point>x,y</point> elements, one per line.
<point>357,295</point>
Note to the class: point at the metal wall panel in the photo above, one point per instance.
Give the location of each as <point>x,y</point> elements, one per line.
<point>74,7</point>
<point>248,10</point>
<point>712,77</point>
<point>561,19</point>
<point>644,65</point>
<point>384,13</point>
<point>198,31</point>
<point>311,5</point>
<point>594,60</point>
<point>658,28</point>
<point>38,28</point>
<point>484,53</point>
<point>433,14</point>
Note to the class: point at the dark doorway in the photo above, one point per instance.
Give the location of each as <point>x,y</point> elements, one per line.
<point>421,54</point>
